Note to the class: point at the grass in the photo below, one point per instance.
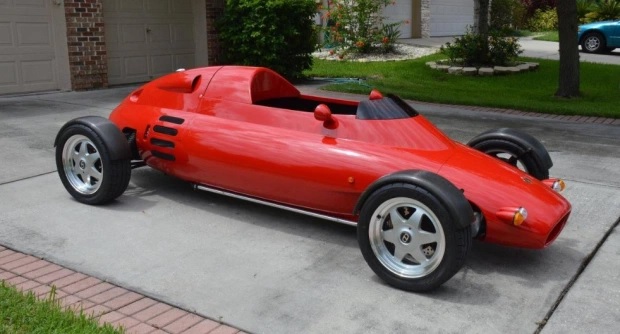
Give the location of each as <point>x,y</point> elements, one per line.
<point>532,91</point>
<point>24,314</point>
<point>550,36</point>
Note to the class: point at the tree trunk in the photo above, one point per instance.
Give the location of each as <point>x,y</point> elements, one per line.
<point>481,20</point>
<point>569,51</point>
<point>481,27</point>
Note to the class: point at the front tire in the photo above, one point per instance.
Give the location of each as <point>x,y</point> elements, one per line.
<point>593,42</point>
<point>516,148</point>
<point>86,168</point>
<point>408,238</point>
<point>514,155</point>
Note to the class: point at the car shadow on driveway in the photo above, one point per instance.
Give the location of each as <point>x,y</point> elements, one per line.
<point>527,268</point>
<point>147,183</point>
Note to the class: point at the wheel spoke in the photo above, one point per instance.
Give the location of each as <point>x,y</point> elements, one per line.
<point>400,251</point>
<point>417,255</point>
<point>416,219</point>
<point>389,236</point>
<point>423,238</point>
<point>513,160</point>
<point>397,219</point>
<point>92,158</point>
<point>93,172</point>
<point>82,151</point>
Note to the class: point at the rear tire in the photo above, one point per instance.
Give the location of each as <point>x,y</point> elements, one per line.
<point>408,238</point>
<point>85,168</point>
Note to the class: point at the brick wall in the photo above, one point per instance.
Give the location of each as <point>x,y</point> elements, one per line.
<point>86,41</point>
<point>215,8</point>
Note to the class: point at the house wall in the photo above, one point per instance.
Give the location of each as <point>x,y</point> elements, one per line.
<point>81,56</point>
<point>431,18</point>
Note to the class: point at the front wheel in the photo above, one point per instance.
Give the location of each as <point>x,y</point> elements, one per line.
<point>408,238</point>
<point>86,168</point>
<point>593,42</point>
<point>516,148</point>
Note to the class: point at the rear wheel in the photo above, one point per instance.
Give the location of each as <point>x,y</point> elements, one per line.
<point>85,168</point>
<point>408,238</point>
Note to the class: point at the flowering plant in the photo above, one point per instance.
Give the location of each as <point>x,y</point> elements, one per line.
<point>357,26</point>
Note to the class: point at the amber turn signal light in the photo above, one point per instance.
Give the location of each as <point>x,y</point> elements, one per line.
<point>512,215</point>
<point>556,184</point>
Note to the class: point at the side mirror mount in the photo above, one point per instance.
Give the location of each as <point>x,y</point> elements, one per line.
<point>324,114</point>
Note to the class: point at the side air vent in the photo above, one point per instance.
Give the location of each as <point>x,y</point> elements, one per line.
<point>162,143</point>
<point>172,119</point>
<point>165,130</point>
<point>163,155</point>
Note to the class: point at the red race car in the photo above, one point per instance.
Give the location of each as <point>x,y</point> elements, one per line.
<point>417,197</point>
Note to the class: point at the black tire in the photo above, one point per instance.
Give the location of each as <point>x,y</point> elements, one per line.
<point>514,154</point>
<point>85,167</point>
<point>593,42</point>
<point>439,262</point>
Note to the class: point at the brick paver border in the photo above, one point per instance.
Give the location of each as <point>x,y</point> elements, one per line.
<point>107,302</point>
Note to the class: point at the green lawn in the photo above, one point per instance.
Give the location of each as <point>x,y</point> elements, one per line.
<point>25,314</point>
<point>532,91</point>
<point>551,36</point>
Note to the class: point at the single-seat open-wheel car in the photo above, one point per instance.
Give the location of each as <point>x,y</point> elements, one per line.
<point>417,197</point>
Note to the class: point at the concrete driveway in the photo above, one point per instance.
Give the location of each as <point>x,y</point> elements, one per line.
<point>269,271</point>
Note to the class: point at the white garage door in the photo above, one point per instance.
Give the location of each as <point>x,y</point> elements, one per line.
<point>27,53</point>
<point>451,17</point>
<point>147,38</point>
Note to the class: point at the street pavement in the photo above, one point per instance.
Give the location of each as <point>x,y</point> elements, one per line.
<point>531,48</point>
<point>270,271</point>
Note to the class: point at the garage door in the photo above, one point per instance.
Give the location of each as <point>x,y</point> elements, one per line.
<point>451,17</point>
<point>27,53</point>
<point>147,38</point>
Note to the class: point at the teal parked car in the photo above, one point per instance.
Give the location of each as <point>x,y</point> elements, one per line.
<point>599,37</point>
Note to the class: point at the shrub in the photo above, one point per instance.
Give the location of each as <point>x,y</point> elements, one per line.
<point>502,14</point>
<point>605,10</point>
<point>531,6</point>
<point>584,7</point>
<point>357,26</point>
<point>544,20</point>
<point>277,34</point>
<point>476,50</point>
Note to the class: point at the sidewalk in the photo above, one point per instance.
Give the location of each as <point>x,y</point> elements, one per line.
<point>108,303</point>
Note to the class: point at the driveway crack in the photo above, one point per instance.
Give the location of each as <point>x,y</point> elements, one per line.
<point>27,178</point>
<point>582,268</point>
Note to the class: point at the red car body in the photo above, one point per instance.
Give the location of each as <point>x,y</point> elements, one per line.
<point>232,128</point>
